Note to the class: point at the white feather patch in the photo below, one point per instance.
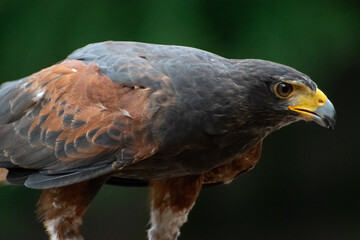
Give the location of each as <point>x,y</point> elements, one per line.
<point>39,94</point>
<point>166,224</point>
<point>125,112</point>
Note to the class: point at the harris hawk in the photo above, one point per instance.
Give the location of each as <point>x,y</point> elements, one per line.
<point>170,117</point>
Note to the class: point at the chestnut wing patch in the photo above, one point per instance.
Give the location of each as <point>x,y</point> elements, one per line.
<point>228,172</point>
<point>71,123</point>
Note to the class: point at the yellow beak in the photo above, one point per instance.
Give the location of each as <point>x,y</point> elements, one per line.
<point>316,107</point>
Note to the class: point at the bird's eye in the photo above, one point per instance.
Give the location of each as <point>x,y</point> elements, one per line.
<point>283,89</point>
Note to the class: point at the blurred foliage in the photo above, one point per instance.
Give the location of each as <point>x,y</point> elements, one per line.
<point>307,184</point>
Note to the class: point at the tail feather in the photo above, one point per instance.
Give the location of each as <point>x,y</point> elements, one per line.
<point>18,176</point>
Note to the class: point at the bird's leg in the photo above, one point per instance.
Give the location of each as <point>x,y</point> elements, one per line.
<point>171,202</point>
<point>61,209</point>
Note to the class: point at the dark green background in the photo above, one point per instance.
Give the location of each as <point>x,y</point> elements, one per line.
<point>306,185</point>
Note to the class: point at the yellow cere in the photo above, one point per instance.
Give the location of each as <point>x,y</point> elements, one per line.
<point>306,101</point>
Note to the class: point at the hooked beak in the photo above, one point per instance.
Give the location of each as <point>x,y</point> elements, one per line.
<point>317,108</point>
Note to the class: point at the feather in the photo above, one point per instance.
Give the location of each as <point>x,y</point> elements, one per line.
<point>44,181</point>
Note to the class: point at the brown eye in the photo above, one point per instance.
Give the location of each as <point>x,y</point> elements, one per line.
<point>283,89</point>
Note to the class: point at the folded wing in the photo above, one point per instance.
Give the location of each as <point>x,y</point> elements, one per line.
<point>69,123</point>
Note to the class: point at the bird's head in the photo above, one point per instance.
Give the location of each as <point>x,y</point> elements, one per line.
<point>278,95</point>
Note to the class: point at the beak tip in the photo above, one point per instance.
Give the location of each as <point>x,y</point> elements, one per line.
<point>331,125</point>
<point>327,115</point>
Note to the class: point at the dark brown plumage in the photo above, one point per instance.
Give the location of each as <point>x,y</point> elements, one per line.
<point>173,118</point>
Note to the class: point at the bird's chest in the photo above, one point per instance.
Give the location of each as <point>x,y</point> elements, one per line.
<point>189,160</point>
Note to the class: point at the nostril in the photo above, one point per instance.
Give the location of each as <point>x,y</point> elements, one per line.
<point>321,102</point>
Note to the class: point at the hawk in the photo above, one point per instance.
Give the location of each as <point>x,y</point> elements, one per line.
<point>169,117</point>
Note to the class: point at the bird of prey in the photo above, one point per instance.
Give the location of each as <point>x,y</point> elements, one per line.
<point>169,117</point>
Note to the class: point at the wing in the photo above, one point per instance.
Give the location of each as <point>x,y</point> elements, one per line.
<point>69,123</point>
